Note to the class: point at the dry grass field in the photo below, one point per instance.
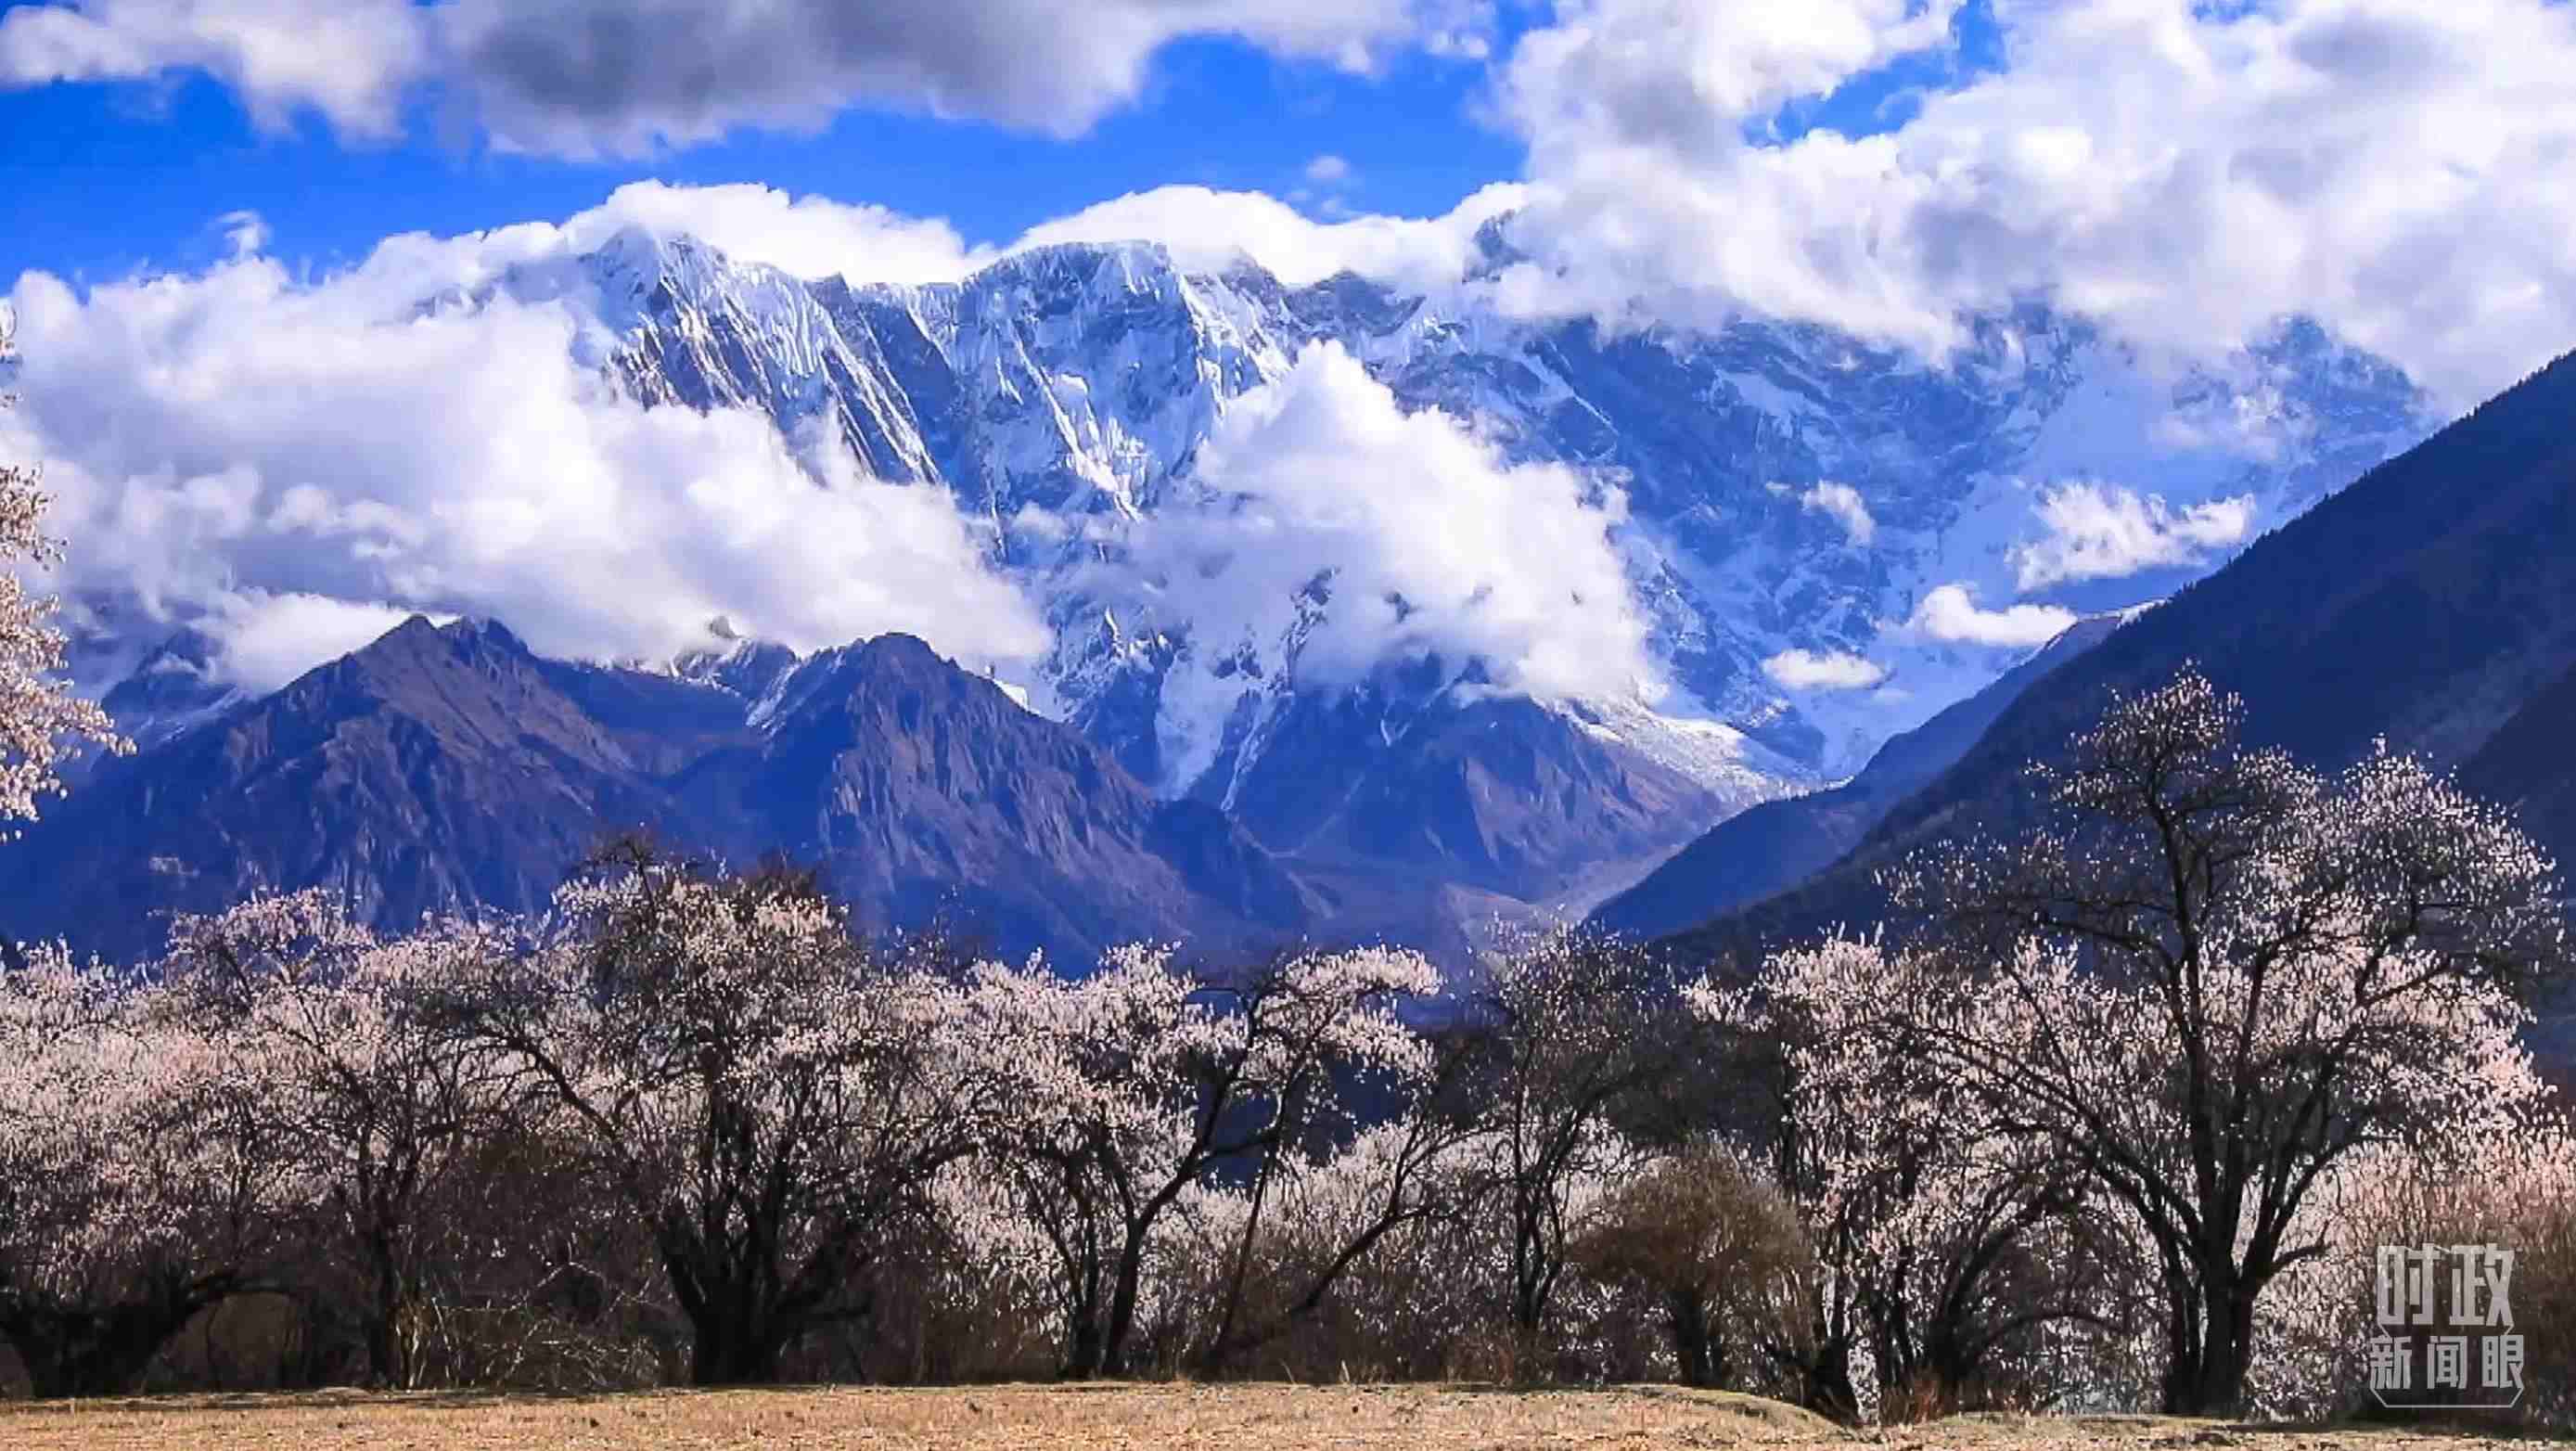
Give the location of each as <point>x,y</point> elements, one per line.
<point>1064,1418</point>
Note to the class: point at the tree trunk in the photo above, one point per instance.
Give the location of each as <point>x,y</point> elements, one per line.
<point>1083,1352</point>
<point>735,1346</point>
<point>388,1362</point>
<point>1695,1351</point>
<point>735,1334</point>
<point>1530,1285</point>
<point>1828,1380</point>
<point>1122,1306</point>
<point>2207,1376</point>
<point>1220,1348</point>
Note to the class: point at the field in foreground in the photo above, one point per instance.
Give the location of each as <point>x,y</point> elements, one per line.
<point>1266,1417</point>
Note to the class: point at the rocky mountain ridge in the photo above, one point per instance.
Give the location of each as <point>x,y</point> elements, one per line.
<point>449,768</point>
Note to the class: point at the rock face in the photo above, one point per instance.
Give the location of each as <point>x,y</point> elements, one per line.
<point>927,793</point>
<point>448,768</point>
<point>2431,605</point>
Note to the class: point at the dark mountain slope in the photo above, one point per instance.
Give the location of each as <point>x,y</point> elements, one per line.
<point>2530,764</point>
<point>1774,846</point>
<point>1499,796</point>
<point>924,792</point>
<point>441,768</point>
<point>431,769</point>
<point>2428,603</point>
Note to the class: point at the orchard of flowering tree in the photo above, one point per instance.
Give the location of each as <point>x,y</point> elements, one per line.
<point>2118,1122</point>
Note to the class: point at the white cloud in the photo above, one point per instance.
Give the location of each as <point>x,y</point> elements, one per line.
<point>2097,531</point>
<point>2402,170</point>
<point>1951,613</point>
<point>1371,534</point>
<point>1823,670</point>
<point>1206,229</point>
<point>286,462</point>
<point>1328,170</point>
<point>617,76</point>
<point>814,236</point>
<point>807,236</point>
<point>349,60</point>
<point>244,232</point>
<point>1843,504</point>
<point>632,77</point>
<point>1432,540</point>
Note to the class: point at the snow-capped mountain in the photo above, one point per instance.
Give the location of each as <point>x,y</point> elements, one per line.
<point>1077,382</point>
<point>1783,492</point>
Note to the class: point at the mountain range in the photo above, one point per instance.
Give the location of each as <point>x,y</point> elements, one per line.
<point>1780,488</point>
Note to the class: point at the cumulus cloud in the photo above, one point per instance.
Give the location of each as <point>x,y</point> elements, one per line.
<point>1951,613</point>
<point>2402,170</point>
<point>2097,531</point>
<point>1328,170</point>
<point>629,77</point>
<point>289,464</point>
<point>1823,670</point>
<point>1844,505</point>
<point>619,76</point>
<point>349,60</point>
<point>1370,534</point>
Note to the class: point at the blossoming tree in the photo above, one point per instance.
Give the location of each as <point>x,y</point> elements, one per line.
<point>770,1096</point>
<point>2212,975</point>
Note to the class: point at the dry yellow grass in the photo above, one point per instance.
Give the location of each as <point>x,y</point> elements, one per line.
<point>1060,1418</point>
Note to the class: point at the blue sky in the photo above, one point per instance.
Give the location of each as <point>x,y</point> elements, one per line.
<point>176,156</point>
<point>108,178</point>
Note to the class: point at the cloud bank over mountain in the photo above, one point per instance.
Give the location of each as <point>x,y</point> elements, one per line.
<point>2402,171</point>
<point>309,463</point>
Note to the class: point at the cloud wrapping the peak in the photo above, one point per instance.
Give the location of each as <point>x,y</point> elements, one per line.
<point>289,464</point>
<point>2402,171</point>
<point>1206,230</point>
<point>1377,535</point>
<point>815,236</point>
<point>1431,540</point>
<point>807,236</point>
